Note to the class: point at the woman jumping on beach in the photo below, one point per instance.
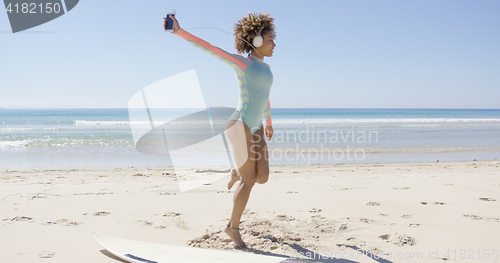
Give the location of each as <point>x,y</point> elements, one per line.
<point>254,35</point>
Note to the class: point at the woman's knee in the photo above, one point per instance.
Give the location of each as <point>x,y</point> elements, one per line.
<point>263,176</point>
<point>249,178</point>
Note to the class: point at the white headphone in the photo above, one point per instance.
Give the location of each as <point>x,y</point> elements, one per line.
<point>258,40</point>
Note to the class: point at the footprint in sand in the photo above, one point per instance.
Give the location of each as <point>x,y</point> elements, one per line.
<point>342,227</point>
<point>39,195</point>
<point>285,218</point>
<point>46,254</point>
<point>181,224</point>
<point>248,212</point>
<point>20,218</point>
<point>98,193</point>
<point>436,203</point>
<point>271,238</point>
<point>171,214</point>
<point>399,239</point>
<point>401,188</point>
<point>167,193</point>
<point>476,217</point>
<point>145,222</point>
<point>385,237</point>
<point>365,220</point>
<point>63,222</point>
<point>253,233</point>
<point>100,213</point>
<point>486,199</point>
<point>406,216</point>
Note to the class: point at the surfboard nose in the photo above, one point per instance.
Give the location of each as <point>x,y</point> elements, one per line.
<point>145,252</point>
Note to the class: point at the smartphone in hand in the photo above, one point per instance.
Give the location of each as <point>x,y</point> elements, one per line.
<point>169,23</point>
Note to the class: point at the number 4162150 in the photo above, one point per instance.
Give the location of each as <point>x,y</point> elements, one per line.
<point>32,8</point>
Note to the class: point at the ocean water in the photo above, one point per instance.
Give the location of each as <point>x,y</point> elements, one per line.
<point>104,138</point>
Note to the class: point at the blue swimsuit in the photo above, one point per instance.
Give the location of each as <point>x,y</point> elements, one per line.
<point>254,79</point>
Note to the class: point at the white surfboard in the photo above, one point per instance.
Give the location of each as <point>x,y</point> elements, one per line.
<point>144,252</point>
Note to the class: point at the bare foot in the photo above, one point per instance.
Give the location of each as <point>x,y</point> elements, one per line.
<point>235,236</point>
<point>235,177</point>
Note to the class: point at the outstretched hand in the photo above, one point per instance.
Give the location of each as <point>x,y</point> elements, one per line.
<point>176,27</point>
<point>268,131</point>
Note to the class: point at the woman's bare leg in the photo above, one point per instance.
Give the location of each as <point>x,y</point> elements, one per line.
<point>261,156</point>
<point>247,178</point>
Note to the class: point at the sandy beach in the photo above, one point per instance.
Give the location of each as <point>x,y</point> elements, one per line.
<point>400,212</point>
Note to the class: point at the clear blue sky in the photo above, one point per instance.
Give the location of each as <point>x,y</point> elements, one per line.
<point>329,54</point>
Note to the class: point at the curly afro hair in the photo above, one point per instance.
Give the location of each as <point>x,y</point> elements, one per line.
<point>248,27</point>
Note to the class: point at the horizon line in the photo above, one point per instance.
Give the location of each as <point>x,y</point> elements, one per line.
<point>366,108</point>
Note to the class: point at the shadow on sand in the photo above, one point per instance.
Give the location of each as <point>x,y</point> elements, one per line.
<point>357,253</point>
<point>345,257</point>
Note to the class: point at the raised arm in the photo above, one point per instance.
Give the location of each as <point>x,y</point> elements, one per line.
<point>222,55</point>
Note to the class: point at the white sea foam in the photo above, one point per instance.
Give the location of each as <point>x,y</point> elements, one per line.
<point>379,120</point>
<point>137,123</point>
<point>15,129</point>
<point>10,130</point>
<point>14,144</point>
<point>103,123</point>
<point>306,121</point>
<point>419,125</point>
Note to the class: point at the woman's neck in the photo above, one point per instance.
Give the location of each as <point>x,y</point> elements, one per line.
<point>255,53</point>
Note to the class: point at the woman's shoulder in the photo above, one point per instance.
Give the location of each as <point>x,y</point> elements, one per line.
<point>244,59</point>
<point>249,59</point>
